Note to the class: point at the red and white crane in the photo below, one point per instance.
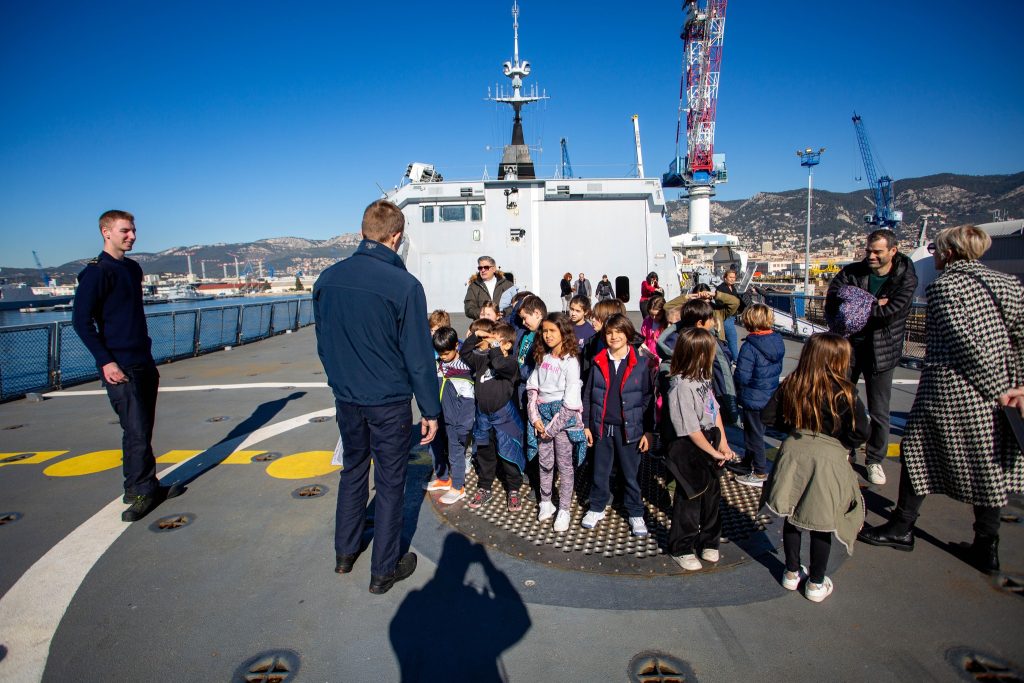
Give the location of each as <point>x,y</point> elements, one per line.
<point>703,36</point>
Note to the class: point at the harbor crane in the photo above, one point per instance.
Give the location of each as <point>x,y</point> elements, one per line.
<point>884,215</point>
<point>42,272</point>
<point>697,172</point>
<point>566,167</point>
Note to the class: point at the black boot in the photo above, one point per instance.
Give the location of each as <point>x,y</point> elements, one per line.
<point>890,535</point>
<point>983,554</point>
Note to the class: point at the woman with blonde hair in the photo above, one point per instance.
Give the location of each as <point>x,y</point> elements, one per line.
<point>956,441</point>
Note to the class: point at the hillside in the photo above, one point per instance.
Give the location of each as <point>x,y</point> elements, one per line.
<point>779,218</point>
<point>837,218</point>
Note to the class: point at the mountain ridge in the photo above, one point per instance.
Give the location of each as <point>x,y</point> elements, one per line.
<point>776,217</point>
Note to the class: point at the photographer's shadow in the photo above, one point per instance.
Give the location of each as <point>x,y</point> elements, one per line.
<point>476,614</point>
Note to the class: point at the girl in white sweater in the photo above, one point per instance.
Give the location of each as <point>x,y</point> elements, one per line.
<point>555,409</point>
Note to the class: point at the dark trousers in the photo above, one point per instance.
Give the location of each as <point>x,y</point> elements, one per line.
<point>134,402</point>
<point>753,441</point>
<point>879,390</point>
<point>908,509</point>
<point>610,448</point>
<point>696,523</point>
<point>487,462</point>
<point>386,430</point>
<point>821,545</point>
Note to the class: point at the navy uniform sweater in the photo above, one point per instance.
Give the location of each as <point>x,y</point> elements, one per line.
<point>108,313</point>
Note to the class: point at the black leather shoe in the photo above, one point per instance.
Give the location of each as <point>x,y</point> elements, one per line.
<point>883,536</point>
<point>403,570</point>
<point>344,563</point>
<point>983,554</point>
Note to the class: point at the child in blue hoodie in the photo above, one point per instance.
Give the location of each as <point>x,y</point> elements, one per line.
<point>757,377</point>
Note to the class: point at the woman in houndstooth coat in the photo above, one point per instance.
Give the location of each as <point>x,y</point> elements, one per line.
<point>957,442</point>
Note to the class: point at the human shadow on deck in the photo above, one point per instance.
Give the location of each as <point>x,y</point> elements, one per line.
<point>481,613</point>
<point>215,455</point>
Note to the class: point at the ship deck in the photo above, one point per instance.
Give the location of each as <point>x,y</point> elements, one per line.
<point>234,579</point>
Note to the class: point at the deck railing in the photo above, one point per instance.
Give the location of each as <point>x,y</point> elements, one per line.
<point>802,315</point>
<point>48,356</point>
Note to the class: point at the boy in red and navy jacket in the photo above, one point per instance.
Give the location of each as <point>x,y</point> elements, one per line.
<point>618,412</point>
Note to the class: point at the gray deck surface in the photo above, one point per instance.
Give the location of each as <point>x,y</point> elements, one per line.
<point>253,571</point>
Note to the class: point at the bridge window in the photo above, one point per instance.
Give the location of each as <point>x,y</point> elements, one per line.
<point>453,213</point>
<point>476,212</point>
<point>428,214</point>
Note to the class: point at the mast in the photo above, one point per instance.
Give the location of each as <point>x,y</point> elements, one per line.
<point>515,159</point>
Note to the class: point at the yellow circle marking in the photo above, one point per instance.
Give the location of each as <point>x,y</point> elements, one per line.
<point>88,463</point>
<point>303,465</point>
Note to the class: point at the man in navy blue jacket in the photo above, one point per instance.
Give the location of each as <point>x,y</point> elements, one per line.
<point>109,318</point>
<point>374,342</point>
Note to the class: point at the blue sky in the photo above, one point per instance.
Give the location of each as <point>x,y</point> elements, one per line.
<point>230,121</point>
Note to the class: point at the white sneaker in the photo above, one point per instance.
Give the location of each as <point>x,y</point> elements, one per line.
<point>453,495</point>
<point>790,583</point>
<point>688,562</point>
<point>816,592</point>
<point>591,519</point>
<point>637,527</point>
<point>876,475</point>
<point>562,521</point>
<point>546,511</point>
<point>710,555</point>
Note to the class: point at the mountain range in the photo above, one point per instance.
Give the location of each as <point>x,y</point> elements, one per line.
<point>837,218</point>
<point>776,217</point>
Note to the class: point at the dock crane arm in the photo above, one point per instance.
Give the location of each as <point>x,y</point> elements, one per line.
<point>39,265</point>
<point>884,214</point>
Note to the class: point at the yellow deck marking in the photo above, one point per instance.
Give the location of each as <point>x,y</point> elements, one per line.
<point>893,451</point>
<point>303,465</point>
<point>89,463</point>
<point>40,456</point>
<point>177,456</point>
<point>241,457</point>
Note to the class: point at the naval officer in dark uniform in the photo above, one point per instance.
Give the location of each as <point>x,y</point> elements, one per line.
<point>374,342</point>
<point>109,318</point>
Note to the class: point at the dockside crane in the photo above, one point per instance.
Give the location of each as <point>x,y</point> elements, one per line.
<point>703,36</point>
<point>39,265</point>
<point>566,167</point>
<point>884,215</point>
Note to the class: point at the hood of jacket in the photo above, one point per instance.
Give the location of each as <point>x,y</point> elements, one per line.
<point>475,279</point>
<point>770,346</point>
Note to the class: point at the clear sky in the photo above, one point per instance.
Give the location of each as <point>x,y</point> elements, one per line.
<point>230,121</point>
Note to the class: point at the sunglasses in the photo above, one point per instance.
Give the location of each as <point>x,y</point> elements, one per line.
<point>481,268</point>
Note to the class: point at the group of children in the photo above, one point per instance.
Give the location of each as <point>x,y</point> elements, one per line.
<point>555,387</point>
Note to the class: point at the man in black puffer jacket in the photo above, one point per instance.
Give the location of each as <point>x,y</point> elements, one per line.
<point>890,277</point>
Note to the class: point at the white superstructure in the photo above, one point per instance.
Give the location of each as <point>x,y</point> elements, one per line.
<point>536,229</point>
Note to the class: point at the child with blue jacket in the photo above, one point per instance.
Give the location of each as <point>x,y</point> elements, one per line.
<point>458,416</point>
<point>758,369</point>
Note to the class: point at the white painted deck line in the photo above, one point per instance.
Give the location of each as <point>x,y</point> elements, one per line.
<point>202,387</point>
<point>31,611</point>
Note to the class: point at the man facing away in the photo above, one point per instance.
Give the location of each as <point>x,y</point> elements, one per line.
<point>373,341</point>
<point>109,317</point>
<point>891,278</point>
